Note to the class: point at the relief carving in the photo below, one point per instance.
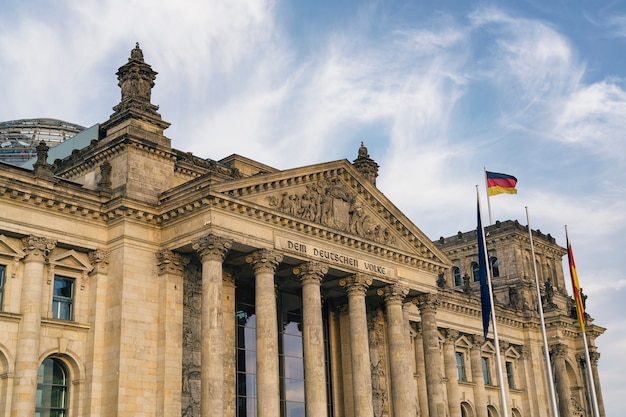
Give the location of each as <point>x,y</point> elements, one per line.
<point>330,204</point>
<point>192,309</point>
<point>378,354</point>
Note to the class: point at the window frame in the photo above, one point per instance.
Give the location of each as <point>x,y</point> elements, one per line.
<point>60,388</point>
<point>475,271</point>
<point>58,301</point>
<point>486,370</point>
<point>460,366</point>
<point>3,269</point>
<point>457,278</point>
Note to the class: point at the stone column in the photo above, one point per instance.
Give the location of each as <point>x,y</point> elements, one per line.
<point>480,396</point>
<point>212,251</point>
<point>264,262</point>
<point>402,385</point>
<point>97,339</point>
<point>451,372</point>
<point>594,356</point>
<point>230,345</point>
<point>170,328</point>
<point>346,361</point>
<point>356,286</point>
<point>559,352</point>
<point>427,304</point>
<point>311,275</point>
<point>37,250</point>
<point>420,368</point>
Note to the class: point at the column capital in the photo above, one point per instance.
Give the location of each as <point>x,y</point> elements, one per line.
<point>228,278</point>
<point>311,272</point>
<point>99,259</point>
<point>477,341</point>
<point>559,350</point>
<point>211,247</point>
<point>393,293</point>
<point>356,284</point>
<point>170,262</point>
<point>264,260</point>
<point>451,335</point>
<point>524,351</point>
<point>504,346</point>
<point>426,302</point>
<point>37,247</point>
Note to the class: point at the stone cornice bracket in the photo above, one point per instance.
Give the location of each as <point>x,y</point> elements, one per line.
<point>559,350</point>
<point>170,262</point>
<point>211,247</point>
<point>356,284</point>
<point>99,259</point>
<point>393,293</point>
<point>38,248</point>
<point>311,272</point>
<point>426,302</point>
<point>264,260</point>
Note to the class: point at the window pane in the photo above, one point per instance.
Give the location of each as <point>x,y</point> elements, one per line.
<point>294,390</point>
<point>51,398</point>
<point>62,298</point>
<point>292,345</point>
<point>460,365</point>
<point>294,368</point>
<point>1,285</point>
<point>294,409</point>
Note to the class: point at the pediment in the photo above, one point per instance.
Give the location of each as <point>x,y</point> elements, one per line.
<point>70,259</point>
<point>7,248</point>
<point>335,197</point>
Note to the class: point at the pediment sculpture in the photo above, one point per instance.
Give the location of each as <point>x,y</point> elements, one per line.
<point>330,204</point>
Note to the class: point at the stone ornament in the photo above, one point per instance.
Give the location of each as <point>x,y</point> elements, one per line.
<point>331,204</point>
<point>212,247</point>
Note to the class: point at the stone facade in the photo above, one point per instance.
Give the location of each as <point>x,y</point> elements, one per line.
<point>139,280</point>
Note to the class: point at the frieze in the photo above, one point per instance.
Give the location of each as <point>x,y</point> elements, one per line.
<point>335,257</point>
<point>329,203</point>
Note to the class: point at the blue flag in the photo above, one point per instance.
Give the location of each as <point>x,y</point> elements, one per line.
<point>485,299</point>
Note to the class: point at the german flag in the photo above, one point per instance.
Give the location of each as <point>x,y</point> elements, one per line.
<point>500,183</point>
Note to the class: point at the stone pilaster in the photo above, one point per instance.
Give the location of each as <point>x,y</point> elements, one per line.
<point>594,356</point>
<point>311,275</point>
<point>212,251</point>
<point>480,396</point>
<point>525,385</point>
<point>402,393</point>
<point>264,262</point>
<point>356,287</point>
<point>230,345</point>
<point>170,329</point>
<point>97,339</point>
<point>559,352</point>
<point>37,250</point>
<point>451,372</point>
<point>427,305</point>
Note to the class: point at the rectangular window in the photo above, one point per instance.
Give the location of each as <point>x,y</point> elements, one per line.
<point>486,372</point>
<point>2,268</point>
<point>509,374</point>
<point>460,366</point>
<point>63,298</point>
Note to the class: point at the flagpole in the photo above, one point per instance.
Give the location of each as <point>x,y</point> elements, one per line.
<point>546,351</point>
<point>505,407</point>
<point>488,200</point>
<point>592,386</point>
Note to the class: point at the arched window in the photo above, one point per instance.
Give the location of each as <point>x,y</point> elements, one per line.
<point>466,410</point>
<point>495,269</point>
<point>475,273</point>
<point>516,412</point>
<point>456,274</point>
<point>491,411</point>
<point>52,389</point>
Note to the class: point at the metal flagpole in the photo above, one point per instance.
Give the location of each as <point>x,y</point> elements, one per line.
<point>592,385</point>
<point>505,407</point>
<point>546,351</point>
<point>488,199</point>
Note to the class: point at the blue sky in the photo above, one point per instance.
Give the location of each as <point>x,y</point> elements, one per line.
<point>436,90</point>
